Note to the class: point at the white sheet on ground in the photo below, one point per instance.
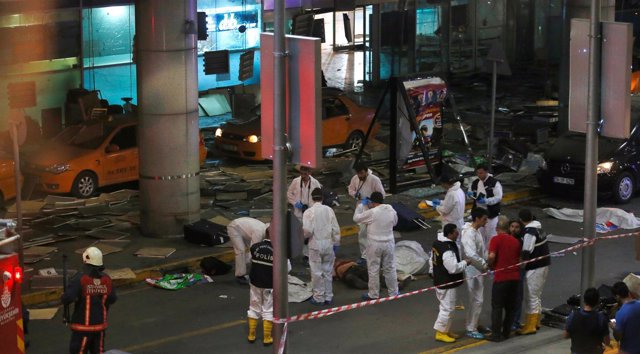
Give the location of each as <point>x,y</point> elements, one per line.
<point>411,259</point>
<point>616,216</point>
<point>299,291</point>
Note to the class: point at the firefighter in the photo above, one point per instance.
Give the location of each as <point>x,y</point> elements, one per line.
<point>93,294</point>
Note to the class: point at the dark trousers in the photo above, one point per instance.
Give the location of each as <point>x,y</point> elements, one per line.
<point>503,303</point>
<point>517,314</point>
<point>86,342</point>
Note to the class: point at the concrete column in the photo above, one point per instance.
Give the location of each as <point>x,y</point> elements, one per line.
<point>168,113</point>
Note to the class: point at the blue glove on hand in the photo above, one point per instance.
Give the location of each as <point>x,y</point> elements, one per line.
<point>335,249</point>
<point>470,194</point>
<point>365,201</point>
<point>436,202</point>
<point>299,205</point>
<point>482,200</point>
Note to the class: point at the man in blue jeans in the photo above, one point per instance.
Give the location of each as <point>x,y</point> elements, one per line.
<point>626,329</point>
<point>587,327</point>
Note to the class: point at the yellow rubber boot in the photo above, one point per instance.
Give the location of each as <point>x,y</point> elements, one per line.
<point>539,322</point>
<point>444,337</point>
<point>530,324</point>
<point>453,335</point>
<point>253,324</point>
<point>266,327</point>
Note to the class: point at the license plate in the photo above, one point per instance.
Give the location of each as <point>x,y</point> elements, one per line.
<point>563,180</point>
<point>229,147</point>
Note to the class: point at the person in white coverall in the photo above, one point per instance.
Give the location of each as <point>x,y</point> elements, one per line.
<point>474,249</point>
<point>448,275</point>
<point>380,219</point>
<point>299,196</point>
<point>321,228</point>
<point>244,232</point>
<point>486,192</point>
<point>362,185</point>
<point>452,207</point>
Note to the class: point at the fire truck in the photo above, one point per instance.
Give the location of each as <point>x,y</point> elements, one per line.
<point>11,325</point>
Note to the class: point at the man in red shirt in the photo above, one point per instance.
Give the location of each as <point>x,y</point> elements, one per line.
<point>504,253</point>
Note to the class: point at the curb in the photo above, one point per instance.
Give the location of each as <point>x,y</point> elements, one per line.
<point>52,296</point>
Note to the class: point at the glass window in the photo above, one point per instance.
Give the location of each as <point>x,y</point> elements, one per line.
<point>334,108</point>
<point>125,138</point>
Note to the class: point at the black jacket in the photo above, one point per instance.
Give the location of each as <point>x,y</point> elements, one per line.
<point>93,293</point>
<point>261,274</point>
<point>440,273</point>
<point>489,184</point>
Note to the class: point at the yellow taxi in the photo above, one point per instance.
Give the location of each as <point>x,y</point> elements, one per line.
<point>87,156</point>
<point>344,124</point>
<point>7,179</point>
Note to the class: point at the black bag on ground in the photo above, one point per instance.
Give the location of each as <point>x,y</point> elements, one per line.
<point>329,198</point>
<point>406,218</point>
<point>213,266</point>
<point>205,232</point>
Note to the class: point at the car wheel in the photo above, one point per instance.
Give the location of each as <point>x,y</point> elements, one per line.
<point>85,185</point>
<point>623,188</point>
<point>355,141</point>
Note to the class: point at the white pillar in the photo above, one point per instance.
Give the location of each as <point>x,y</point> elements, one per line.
<point>168,136</point>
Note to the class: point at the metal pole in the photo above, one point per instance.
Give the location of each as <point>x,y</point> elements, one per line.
<point>494,81</point>
<point>590,174</point>
<point>18,175</point>
<point>278,222</point>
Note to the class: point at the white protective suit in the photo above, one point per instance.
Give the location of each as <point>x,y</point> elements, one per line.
<point>321,227</point>
<point>489,230</point>
<point>244,232</point>
<point>447,297</point>
<point>380,246</point>
<point>452,208</point>
<point>535,278</point>
<point>301,192</point>
<point>359,189</point>
<point>474,249</point>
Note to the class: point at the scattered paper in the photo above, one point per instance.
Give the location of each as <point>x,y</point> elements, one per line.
<point>42,314</point>
<point>122,273</point>
<point>47,271</point>
<point>39,250</point>
<point>155,252</point>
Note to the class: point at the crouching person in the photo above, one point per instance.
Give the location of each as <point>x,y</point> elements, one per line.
<point>448,275</point>
<point>261,290</point>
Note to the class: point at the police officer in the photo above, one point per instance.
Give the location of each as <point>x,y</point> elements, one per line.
<point>534,245</point>
<point>93,294</point>
<point>321,228</point>
<point>486,192</point>
<point>362,185</point>
<point>261,290</point>
<point>244,232</point>
<point>448,274</point>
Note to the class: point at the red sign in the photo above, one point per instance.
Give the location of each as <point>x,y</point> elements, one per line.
<point>11,327</point>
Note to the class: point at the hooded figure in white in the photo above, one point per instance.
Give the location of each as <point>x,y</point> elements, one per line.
<point>243,233</point>
<point>362,185</point>
<point>380,220</point>
<point>473,249</point>
<point>321,228</point>
<point>452,208</point>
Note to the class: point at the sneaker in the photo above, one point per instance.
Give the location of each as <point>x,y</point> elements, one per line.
<point>313,301</point>
<point>475,335</point>
<point>365,297</point>
<point>243,280</point>
<point>494,338</point>
<point>329,302</point>
<point>484,330</point>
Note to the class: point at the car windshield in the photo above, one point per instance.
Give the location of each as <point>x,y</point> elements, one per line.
<point>85,136</point>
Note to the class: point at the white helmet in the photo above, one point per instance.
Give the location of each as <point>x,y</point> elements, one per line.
<point>93,256</point>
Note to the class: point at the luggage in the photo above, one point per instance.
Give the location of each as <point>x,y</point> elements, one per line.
<point>408,219</point>
<point>205,232</point>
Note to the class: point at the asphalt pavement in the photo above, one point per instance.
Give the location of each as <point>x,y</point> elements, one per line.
<point>211,318</point>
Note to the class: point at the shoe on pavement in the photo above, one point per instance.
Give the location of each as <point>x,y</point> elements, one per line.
<point>243,280</point>
<point>329,302</point>
<point>453,335</point>
<point>313,301</point>
<point>484,330</point>
<point>459,307</point>
<point>443,337</point>
<point>475,335</point>
<point>365,297</point>
<point>494,338</point>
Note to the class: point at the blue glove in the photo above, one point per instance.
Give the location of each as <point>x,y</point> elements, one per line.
<point>482,200</point>
<point>436,202</point>
<point>470,194</point>
<point>335,249</point>
<point>365,201</point>
<point>299,205</point>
